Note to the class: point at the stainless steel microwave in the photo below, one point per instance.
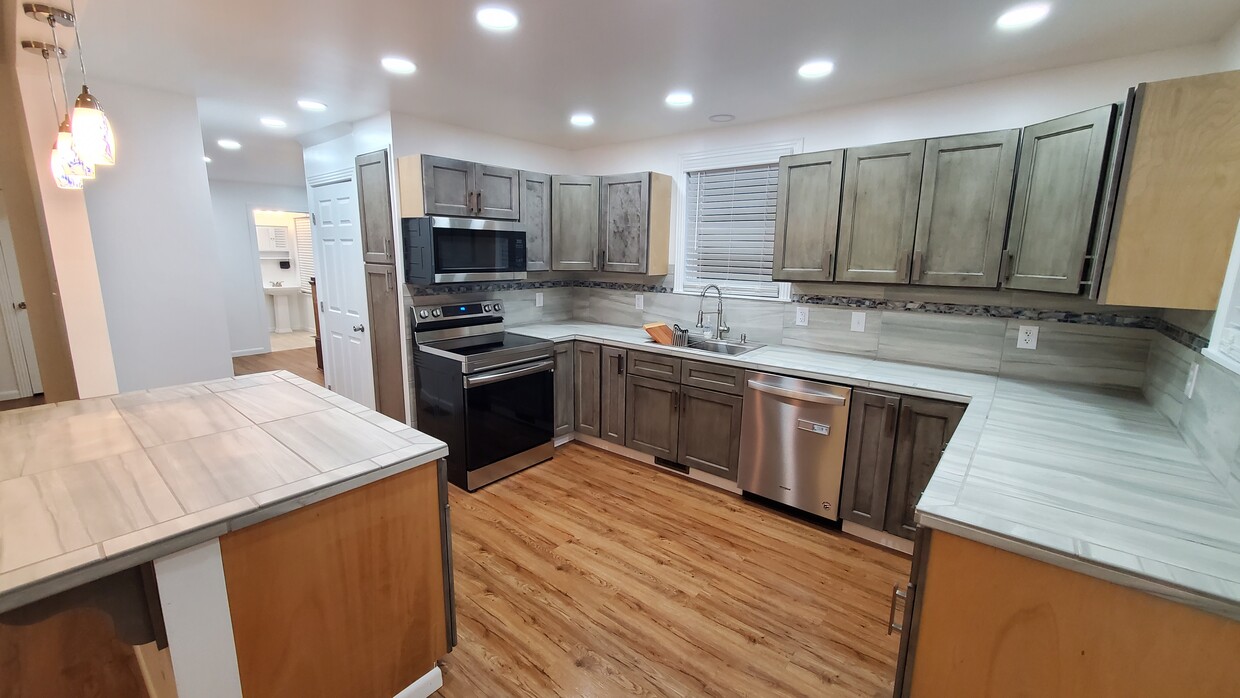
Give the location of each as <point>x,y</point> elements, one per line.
<point>453,250</point>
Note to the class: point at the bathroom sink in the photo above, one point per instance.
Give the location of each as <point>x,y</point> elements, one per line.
<point>718,346</point>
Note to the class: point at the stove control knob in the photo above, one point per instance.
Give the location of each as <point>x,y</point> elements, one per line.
<point>436,312</point>
<point>424,314</point>
<point>497,308</point>
<point>486,308</point>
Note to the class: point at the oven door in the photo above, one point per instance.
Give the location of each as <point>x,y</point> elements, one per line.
<point>472,254</point>
<point>508,411</point>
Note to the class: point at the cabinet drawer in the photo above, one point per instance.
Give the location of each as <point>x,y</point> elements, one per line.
<point>725,379</point>
<point>657,366</point>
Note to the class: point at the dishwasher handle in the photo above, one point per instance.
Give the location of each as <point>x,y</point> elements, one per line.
<point>820,398</point>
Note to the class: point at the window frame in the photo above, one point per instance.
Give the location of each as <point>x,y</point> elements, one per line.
<point>1226,309</point>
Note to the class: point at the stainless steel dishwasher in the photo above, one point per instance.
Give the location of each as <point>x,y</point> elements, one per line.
<point>792,441</point>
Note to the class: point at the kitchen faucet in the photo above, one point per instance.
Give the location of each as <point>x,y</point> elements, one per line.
<point>721,326</point>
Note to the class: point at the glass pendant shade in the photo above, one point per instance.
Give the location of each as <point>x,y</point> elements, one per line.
<point>92,134</point>
<point>69,157</point>
<point>60,170</point>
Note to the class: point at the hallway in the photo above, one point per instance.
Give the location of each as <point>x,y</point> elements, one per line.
<point>299,361</point>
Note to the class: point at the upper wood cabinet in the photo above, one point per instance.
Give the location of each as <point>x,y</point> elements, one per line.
<point>878,217</point>
<point>462,188</point>
<point>1058,187</point>
<point>1179,195</point>
<point>574,223</point>
<point>374,191</point>
<point>536,220</point>
<point>807,216</point>
<point>966,190</point>
<point>635,222</point>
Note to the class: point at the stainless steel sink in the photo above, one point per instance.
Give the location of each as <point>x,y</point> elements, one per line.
<point>718,346</point>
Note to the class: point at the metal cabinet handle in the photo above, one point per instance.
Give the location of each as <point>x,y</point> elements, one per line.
<point>1005,266</point>
<point>469,202</point>
<point>387,248</point>
<point>619,365</point>
<point>891,417</point>
<point>478,202</point>
<point>820,398</point>
<point>919,259</point>
<point>676,400</point>
<point>896,593</point>
<point>359,328</point>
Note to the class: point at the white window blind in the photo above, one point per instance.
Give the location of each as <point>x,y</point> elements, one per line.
<point>729,235</point>
<point>305,251</point>
<point>1225,338</point>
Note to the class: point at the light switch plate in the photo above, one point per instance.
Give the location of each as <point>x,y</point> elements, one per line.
<point>538,299</point>
<point>858,322</point>
<point>1191,383</point>
<point>639,302</point>
<point>1027,338</point>
<point>802,317</point>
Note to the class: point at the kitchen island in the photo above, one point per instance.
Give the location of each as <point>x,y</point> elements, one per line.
<point>271,534</point>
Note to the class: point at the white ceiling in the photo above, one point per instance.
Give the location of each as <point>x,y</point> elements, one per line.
<point>615,58</point>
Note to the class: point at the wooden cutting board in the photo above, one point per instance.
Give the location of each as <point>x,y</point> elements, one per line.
<point>659,332</point>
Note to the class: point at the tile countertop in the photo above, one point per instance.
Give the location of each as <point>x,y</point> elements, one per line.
<point>1090,479</point>
<point>92,487</point>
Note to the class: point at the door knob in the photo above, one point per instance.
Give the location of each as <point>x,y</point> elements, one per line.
<point>359,328</point>
<point>20,305</point>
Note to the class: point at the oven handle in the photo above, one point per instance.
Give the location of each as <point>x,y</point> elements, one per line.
<point>487,378</point>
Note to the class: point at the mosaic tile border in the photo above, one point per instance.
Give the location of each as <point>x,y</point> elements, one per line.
<point>1175,333</point>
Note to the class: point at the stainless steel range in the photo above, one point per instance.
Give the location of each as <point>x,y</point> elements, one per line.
<point>488,393</point>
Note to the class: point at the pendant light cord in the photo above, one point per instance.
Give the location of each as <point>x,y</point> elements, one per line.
<point>47,63</point>
<point>59,66</point>
<point>77,21</point>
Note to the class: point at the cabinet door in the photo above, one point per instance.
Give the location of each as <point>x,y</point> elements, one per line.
<point>1058,180</point>
<point>536,219</point>
<point>574,223</point>
<point>878,217</point>
<point>383,300</point>
<point>587,387</point>
<point>807,216</point>
<point>613,395</point>
<point>624,222</point>
<point>709,436</point>
<point>924,430</point>
<point>867,458</point>
<point>653,415</point>
<point>966,189</point>
<point>565,377</point>
<point>374,192</point>
<point>447,186</point>
<point>497,192</point>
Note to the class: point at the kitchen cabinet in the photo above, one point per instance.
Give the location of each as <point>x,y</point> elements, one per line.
<point>574,223</point>
<point>1179,195</point>
<point>497,192</point>
<point>657,366</point>
<point>635,223</point>
<point>384,303</point>
<point>878,216</point>
<point>374,193</point>
<point>966,191</point>
<point>536,220</point>
<point>709,431</point>
<point>1058,188</point>
<point>807,216</point>
<point>470,189</point>
<point>867,461</point>
<point>653,416</point>
<point>565,378</point>
<point>613,395</point>
<point>718,377</point>
<point>587,388</point>
<point>925,426</point>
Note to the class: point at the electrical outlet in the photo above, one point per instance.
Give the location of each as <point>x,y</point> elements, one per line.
<point>1027,338</point>
<point>802,317</point>
<point>1191,383</point>
<point>639,302</point>
<point>538,299</point>
<point>858,322</point>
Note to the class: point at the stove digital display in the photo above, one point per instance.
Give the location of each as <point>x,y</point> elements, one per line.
<point>459,310</point>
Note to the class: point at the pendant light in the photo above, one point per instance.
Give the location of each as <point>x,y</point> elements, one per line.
<point>92,133</point>
<point>67,169</point>
<point>65,148</point>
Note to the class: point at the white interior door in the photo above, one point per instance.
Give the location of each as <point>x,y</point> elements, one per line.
<point>19,371</point>
<point>344,315</point>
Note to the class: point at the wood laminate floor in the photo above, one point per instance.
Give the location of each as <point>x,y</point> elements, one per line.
<point>299,361</point>
<point>594,575</point>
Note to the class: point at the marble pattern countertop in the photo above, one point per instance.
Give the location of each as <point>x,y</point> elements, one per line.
<point>1087,478</point>
<point>95,486</point>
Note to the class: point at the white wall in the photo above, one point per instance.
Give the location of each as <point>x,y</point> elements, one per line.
<point>237,250</point>
<point>1229,49</point>
<point>413,135</point>
<point>151,222</point>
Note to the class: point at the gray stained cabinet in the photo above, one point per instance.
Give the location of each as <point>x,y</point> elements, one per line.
<point>536,220</point>
<point>966,191</point>
<point>807,216</point>
<point>374,191</point>
<point>383,300</point>
<point>565,378</point>
<point>1058,189</point>
<point>922,434</point>
<point>653,416</point>
<point>470,189</point>
<point>613,395</point>
<point>709,431</point>
<point>624,222</point>
<point>574,223</point>
<point>587,388</point>
<point>878,215</point>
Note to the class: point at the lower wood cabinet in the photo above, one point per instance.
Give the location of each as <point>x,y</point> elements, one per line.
<point>709,437</point>
<point>612,396</point>
<point>565,378</point>
<point>587,388</point>
<point>923,432</point>
<point>653,416</point>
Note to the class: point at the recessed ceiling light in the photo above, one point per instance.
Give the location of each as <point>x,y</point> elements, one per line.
<point>497,19</point>
<point>816,69</point>
<point>311,105</point>
<point>398,65</point>
<point>1023,16</point>
<point>581,120</point>
<point>272,122</point>
<point>679,99</point>
<point>206,159</point>
<point>721,118</point>
<point>228,144</point>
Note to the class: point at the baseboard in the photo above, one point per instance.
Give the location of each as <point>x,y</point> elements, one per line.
<point>877,537</point>
<point>632,454</point>
<point>250,352</point>
<point>425,686</point>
